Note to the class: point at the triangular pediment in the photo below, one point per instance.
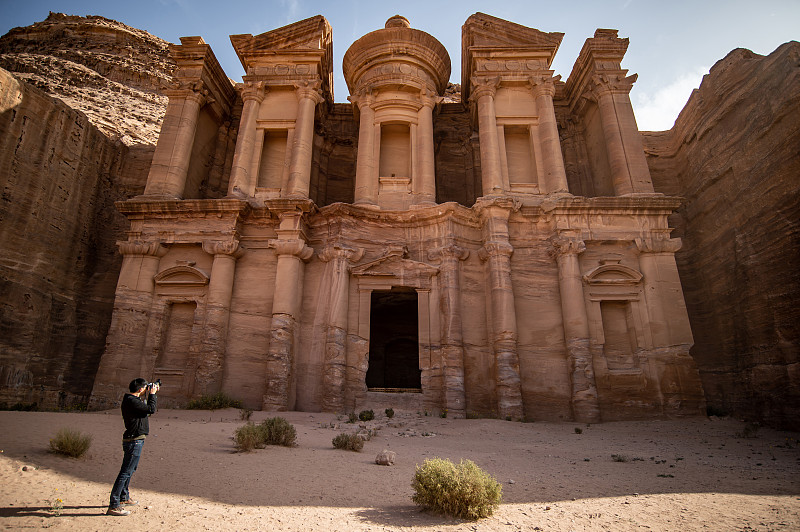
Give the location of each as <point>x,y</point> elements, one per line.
<point>482,30</point>
<point>392,264</point>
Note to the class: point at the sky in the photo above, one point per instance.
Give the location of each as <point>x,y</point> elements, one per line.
<point>673,43</point>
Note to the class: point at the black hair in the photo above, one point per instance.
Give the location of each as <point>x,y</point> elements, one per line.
<point>137,384</point>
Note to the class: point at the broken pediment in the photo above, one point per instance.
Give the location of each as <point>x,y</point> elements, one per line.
<point>492,44</point>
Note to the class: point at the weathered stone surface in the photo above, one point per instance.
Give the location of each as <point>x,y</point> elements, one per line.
<point>386,458</point>
<point>733,155</point>
<point>58,264</point>
<point>113,73</point>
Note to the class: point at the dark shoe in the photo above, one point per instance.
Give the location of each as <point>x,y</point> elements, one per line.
<point>118,511</point>
<point>130,502</point>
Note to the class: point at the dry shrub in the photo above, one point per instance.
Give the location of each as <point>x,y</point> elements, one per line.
<point>348,442</point>
<point>272,431</point>
<point>70,443</point>
<point>278,431</point>
<point>218,401</point>
<point>464,490</point>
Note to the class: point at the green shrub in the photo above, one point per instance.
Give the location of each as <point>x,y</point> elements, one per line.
<point>278,431</point>
<point>389,412</point>
<point>578,430</point>
<point>366,415</point>
<point>272,431</point>
<point>352,417</point>
<point>247,437</point>
<point>619,458</point>
<point>463,490</point>
<point>217,401</point>
<point>348,442</point>
<point>70,443</point>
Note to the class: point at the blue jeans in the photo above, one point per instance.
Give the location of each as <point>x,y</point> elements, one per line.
<point>133,451</point>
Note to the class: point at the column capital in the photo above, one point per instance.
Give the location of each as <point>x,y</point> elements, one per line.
<point>544,84</point>
<point>567,245</point>
<point>309,90</point>
<point>341,252</point>
<point>140,247</point>
<point>429,98</point>
<point>448,251</point>
<point>495,249</point>
<point>254,90</point>
<point>658,244</point>
<point>601,84</point>
<point>223,247</point>
<point>295,247</point>
<point>365,97</point>
<point>483,86</point>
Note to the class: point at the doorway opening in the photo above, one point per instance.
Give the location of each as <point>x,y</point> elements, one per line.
<point>394,341</point>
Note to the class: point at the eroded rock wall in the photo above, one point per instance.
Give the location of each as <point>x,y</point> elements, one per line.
<point>733,154</point>
<point>58,259</point>
<point>114,73</point>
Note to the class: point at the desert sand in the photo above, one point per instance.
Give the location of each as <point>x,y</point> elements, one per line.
<point>690,474</point>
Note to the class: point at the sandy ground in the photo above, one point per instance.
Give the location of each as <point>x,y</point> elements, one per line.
<point>694,474</point>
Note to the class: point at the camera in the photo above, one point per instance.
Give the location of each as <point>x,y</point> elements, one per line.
<point>151,385</point>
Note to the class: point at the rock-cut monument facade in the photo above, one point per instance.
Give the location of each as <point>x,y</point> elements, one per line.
<point>505,255</point>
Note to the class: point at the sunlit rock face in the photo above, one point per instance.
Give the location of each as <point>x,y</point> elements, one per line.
<point>113,73</point>
<point>733,155</point>
<point>499,248</point>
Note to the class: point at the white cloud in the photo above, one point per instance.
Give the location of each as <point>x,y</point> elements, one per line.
<point>657,111</point>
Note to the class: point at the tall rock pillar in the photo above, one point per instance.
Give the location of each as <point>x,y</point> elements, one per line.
<point>450,256</point>
<point>208,379</point>
<point>483,92</point>
<point>585,406</point>
<point>170,166</point>
<point>555,178</point>
<point>299,183</point>
<point>497,252</point>
<point>242,181</point>
<point>366,189</point>
<point>292,253</point>
<point>338,256</point>
<point>425,185</point>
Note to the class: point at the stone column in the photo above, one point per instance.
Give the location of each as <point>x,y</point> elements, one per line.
<point>555,176</point>
<point>299,183</point>
<point>334,366</point>
<point>426,189</point>
<point>629,171</point>
<point>292,253</point>
<point>242,183</point>
<point>366,192</point>
<point>657,263</point>
<point>585,407</point>
<point>450,256</point>
<point>497,253</point>
<point>208,379</point>
<point>170,166</point>
<point>483,93</point>
<point>128,330</point>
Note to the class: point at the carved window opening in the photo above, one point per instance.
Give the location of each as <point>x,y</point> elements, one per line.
<point>519,156</point>
<point>620,338</point>
<point>273,159</point>
<point>394,341</point>
<point>395,154</point>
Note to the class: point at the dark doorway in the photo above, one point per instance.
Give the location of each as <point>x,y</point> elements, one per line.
<point>394,340</point>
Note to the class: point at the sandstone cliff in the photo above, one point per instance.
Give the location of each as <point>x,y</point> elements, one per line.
<point>733,154</point>
<point>111,72</point>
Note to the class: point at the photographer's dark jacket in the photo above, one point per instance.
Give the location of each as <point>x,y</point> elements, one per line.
<point>135,413</point>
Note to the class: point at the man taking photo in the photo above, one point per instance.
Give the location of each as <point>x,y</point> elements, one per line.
<point>135,414</point>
